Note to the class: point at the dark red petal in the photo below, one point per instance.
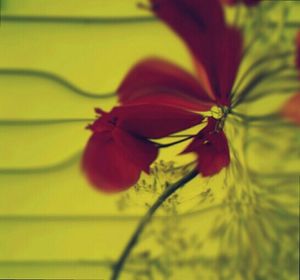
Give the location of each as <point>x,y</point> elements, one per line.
<point>157,121</point>
<point>298,50</point>
<point>140,151</point>
<point>211,147</point>
<point>201,24</point>
<point>114,163</point>
<point>226,56</point>
<point>230,2</point>
<point>291,109</point>
<point>249,3</point>
<point>160,82</point>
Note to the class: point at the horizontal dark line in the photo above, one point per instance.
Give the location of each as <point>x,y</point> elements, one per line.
<point>57,262</point>
<point>34,122</point>
<point>42,169</point>
<point>39,218</point>
<point>77,20</point>
<point>33,218</point>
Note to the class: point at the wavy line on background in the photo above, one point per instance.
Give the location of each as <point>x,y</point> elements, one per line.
<point>56,78</point>
<point>43,169</point>
<point>36,122</point>
<point>78,20</point>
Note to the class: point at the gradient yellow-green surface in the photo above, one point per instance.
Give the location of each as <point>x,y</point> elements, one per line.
<point>58,60</point>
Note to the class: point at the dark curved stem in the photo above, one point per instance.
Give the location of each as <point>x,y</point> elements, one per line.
<point>118,267</point>
<point>272,91</point>
<point>175,142</point>
<point>259,63</point>
<point>257,81</point>
<point>269,117</point>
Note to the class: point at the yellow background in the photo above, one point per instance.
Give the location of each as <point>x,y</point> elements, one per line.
<point>52,223</point>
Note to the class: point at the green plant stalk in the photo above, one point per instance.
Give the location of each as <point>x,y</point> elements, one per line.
<point>118,267</point>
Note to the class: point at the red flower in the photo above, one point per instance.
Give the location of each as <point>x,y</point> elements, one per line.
<point>158,98</point>
<point>211,146</point>
<point>249,3</point>
<point>119,148</point>
<point>291,109</point>
<point>216,49</point>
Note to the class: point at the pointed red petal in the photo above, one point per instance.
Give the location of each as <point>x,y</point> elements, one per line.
<point>157,121</point>
<point>157,81</point>
<point>141,152</point>
<point>291,109</point>
<point>249,3</point>
<point>211,147</point>
<point>201,24</point>
<point>226,55</point>
<point>114,163</point>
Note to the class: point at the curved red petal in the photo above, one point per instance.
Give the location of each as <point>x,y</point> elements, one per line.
<point>111,166</point>
<point>140,151</point>
<point>170,99</point>
<point>226,55</point>
<point>249,3</point>
<point>291,109</point>
<point>160,82</point>
<point>230,2</point>
<point>201,24</point>
<point>212,149</point>
<point>148,121</point>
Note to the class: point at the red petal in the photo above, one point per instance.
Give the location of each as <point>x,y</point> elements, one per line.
<point>156,121</point>
<point>211,146</point>
<point>201,25</point>
<point>114,163</point>
<point>251,2</point>
<point>226,54</point>
<point>157,81</point>
<point>291,109</point>
<point>141,152</point>
<point>230,2</point>
<point>246,2</point>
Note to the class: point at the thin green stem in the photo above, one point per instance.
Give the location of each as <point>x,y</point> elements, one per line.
<point>265,93</point>
<point>257,80</point>
<point>118,267</point>
<point>175,142</point>
<point>248,118</point>
<point>257,64</point>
